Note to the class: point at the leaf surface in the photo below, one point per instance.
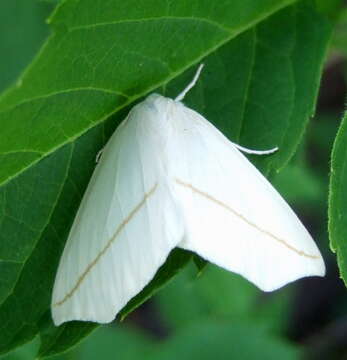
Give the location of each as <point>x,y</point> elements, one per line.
<point>338,199</point>
<point>259,87</point>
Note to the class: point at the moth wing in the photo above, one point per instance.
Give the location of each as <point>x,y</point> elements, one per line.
<point>126,226</point>
<point>233,216</point>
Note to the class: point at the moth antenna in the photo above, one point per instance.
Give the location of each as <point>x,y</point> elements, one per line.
<point>191,84</point>
<point>255,152</point>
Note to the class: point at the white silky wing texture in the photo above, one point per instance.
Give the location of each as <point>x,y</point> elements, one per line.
<point>126,225</point>
<point>169,178</point>
<point>233,215</point>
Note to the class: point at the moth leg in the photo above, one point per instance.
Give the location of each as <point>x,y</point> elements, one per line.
<point>255,152</point>
<point>98,155</point>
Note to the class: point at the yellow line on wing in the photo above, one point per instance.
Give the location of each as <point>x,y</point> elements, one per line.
<point>107,246</point>
<point>227,207</point>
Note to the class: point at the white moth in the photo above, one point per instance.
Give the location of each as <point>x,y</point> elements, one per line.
<point>168,178</point>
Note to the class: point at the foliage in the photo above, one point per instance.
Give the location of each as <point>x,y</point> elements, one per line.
<point>263,64</point>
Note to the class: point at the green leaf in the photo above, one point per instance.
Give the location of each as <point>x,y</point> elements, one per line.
<point>330,7</point>
<point>19,42</point>
<point>339,40</point>
<point>300,186</point>
<point>116,342</point>
<point>26,352</point>
<point>22,227</point>
<point>21,312</point>
<point>134,55</point>
<point>338,199</point>
<point>57,340</point>
<point>216,292</point>
<point>259,87</point>
<point>224,340</point>
<point>205,339</point>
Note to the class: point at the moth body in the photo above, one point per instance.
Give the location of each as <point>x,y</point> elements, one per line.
<point>168,178</point>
